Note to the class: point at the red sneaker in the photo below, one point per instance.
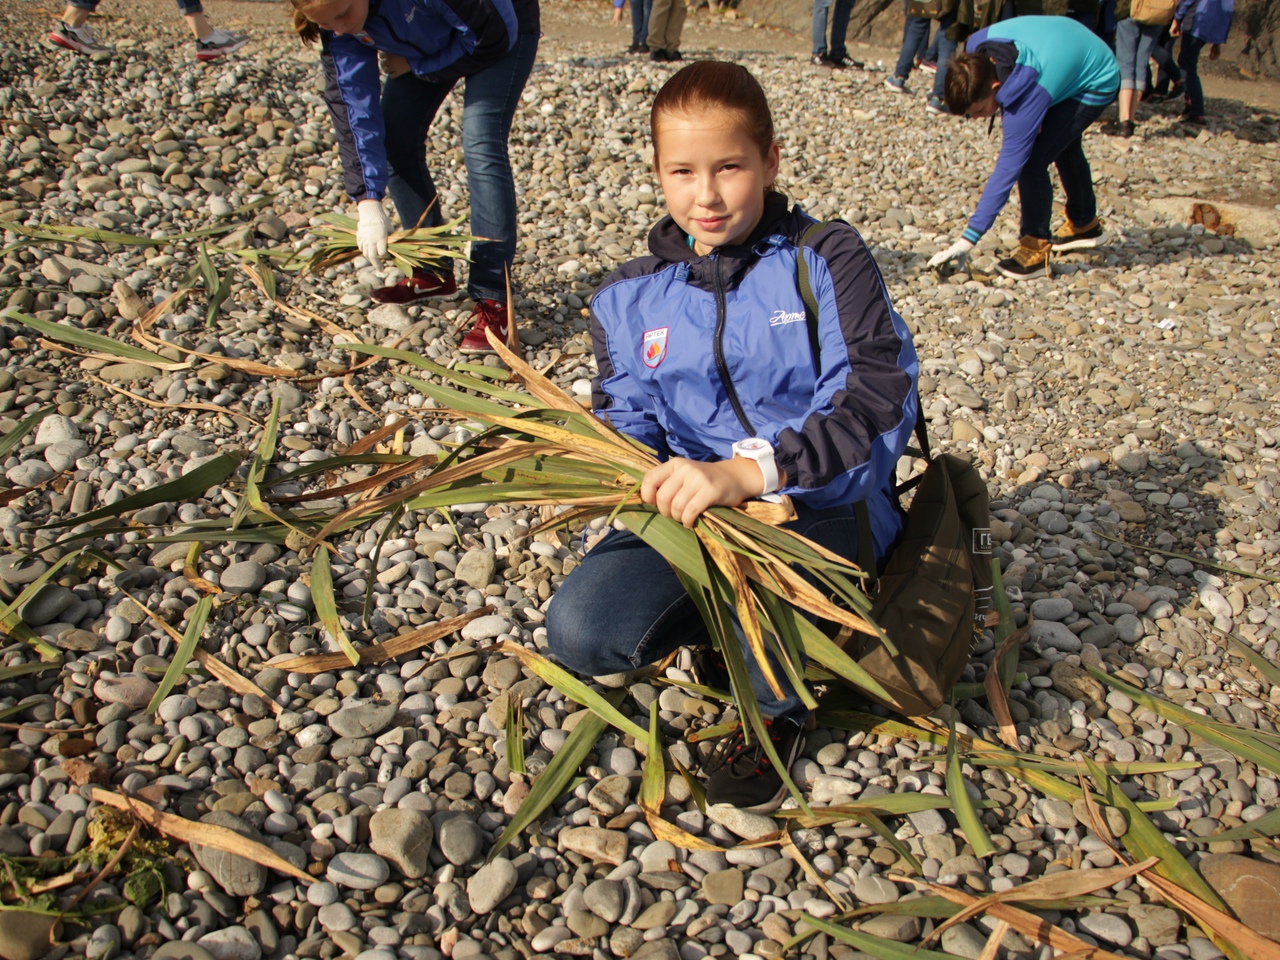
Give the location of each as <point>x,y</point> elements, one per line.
<point>421,285</point>
<point>489,315</point>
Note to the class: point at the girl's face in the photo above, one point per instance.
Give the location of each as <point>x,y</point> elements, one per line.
<point>339,16</point>
<point>713,174</point>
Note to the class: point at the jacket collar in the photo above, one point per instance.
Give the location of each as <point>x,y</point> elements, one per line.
<point>668,242</point>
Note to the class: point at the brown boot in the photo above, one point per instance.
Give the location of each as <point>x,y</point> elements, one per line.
<point>1029,260</point>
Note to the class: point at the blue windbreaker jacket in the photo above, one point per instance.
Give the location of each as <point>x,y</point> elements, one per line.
<point>443,40</point>
<point>1207,20</point>
<point>1040,62</point>
<point>697,352</point>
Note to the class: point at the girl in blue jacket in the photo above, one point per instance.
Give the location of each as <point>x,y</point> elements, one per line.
<point>425,47</point>
<point>704,355</point>
<point>1200,23</point>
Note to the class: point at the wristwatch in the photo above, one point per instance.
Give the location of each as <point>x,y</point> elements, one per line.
<point>761,451</point>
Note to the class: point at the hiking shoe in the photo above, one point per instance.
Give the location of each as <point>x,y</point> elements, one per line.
<point>896,84</point>
<point>658,55</point>
<point>218,44</point>
<point>1071,237</point>
<point>638,48</point>
<point>1031,259</point>
<point>489,315</point>
<point>81,39</point>
<point>420,285</point>
<point>1175,92</point>
<point>1194,119</point>
<point>927,66</point>
<point>674,55</point>
<point>742,776</point>
<point>935,105</point>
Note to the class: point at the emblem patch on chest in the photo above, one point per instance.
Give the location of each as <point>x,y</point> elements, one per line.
<point>654,348</point>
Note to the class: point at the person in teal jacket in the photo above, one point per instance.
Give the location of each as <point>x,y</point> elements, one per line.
<point>1049,78</point>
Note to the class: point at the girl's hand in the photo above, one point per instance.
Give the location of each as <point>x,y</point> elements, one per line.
<point>682,489</point>
<point>393,65</point>
<point>1215,51</point>
<point>1175,29</point>
<point>617,14</point>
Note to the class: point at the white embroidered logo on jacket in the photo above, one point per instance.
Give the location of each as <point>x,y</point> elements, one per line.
<point>782,317</point>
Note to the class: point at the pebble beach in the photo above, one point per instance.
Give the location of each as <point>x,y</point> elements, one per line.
<point>1123,412</point>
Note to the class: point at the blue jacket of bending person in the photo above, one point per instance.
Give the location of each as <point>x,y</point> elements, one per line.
<point>1040,62</point>
<point>441,39</point>
<point>697,352</point>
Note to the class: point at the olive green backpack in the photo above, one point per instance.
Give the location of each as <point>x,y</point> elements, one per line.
<point>934,593</point>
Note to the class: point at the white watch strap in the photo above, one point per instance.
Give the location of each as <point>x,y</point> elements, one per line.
<point>770,471</point>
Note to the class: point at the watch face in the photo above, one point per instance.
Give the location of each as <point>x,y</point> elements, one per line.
<point>753,445</point>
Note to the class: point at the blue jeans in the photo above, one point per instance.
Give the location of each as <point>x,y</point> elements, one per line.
<point>1134,42</point>
<point>1162,53</point>
<point>640,20</point>
<point>624,607</point>
<point>839,27</point>
<point>1189,62</point>
<point>489,102</point>
<point>914,30</point>
<point>1059,143</point>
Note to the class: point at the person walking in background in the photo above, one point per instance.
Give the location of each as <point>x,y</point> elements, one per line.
<point>426,47</point>
<point>1050,77</point>
<point>833,54</point>
<point>75,33</point>
<point>1134,43</point>
<point>666,20</point>
<point>740,408</point>
<point>1200,23</point>
<point>919,16</point>
<point>639,23</point>
<point>1168,83</point>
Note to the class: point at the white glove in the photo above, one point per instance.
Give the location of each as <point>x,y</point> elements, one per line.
<point>372,230</point>
<point>957,251</point>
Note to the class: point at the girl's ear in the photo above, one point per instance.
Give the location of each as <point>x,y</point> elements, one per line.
<point>772,161</point>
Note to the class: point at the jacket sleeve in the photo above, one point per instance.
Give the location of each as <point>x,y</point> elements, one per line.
<point>1024,112</point>
<point>616,395</point>
<point>1184,7</point>
<point>845,446</point>
<point>352,90</point>
<point>481,33</point>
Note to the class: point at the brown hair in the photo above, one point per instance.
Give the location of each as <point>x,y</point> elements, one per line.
<point>718,85</point>
<point>308,31</point>
<point>970,77</point>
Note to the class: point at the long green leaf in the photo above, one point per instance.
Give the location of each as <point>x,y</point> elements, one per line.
<point>252,498</point>
<point>182,656</point>
<point>557,774</point>
<point>962,803</point>
<point>25,669</point>
<point>1267,825</point>
<point>1143,839</point>
<point>187,487</point>
<point>1235,739</point>
<point>515,734</point>
<point>9,611</point>
<point>326,606</point>
<point>10,441</point>
<point>87,340</point>
<point>874,946</point>
<point>1269,671</point>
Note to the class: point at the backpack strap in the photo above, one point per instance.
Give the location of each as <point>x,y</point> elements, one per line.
<point>866,545</point>
<point>806,292</point>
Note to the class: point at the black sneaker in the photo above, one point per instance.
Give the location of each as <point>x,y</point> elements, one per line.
<point>742,776</point>
<point>1120,128</point>
<point>658,55</point>
<point>709,669</point>
<point>845,62</point>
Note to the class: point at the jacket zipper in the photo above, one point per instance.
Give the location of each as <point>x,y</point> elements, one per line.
<point>721,366</point>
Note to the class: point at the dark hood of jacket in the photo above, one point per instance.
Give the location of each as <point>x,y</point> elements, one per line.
<point>668,242</point>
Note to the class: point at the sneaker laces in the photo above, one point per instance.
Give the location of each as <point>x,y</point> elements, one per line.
<point>743,759</point>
